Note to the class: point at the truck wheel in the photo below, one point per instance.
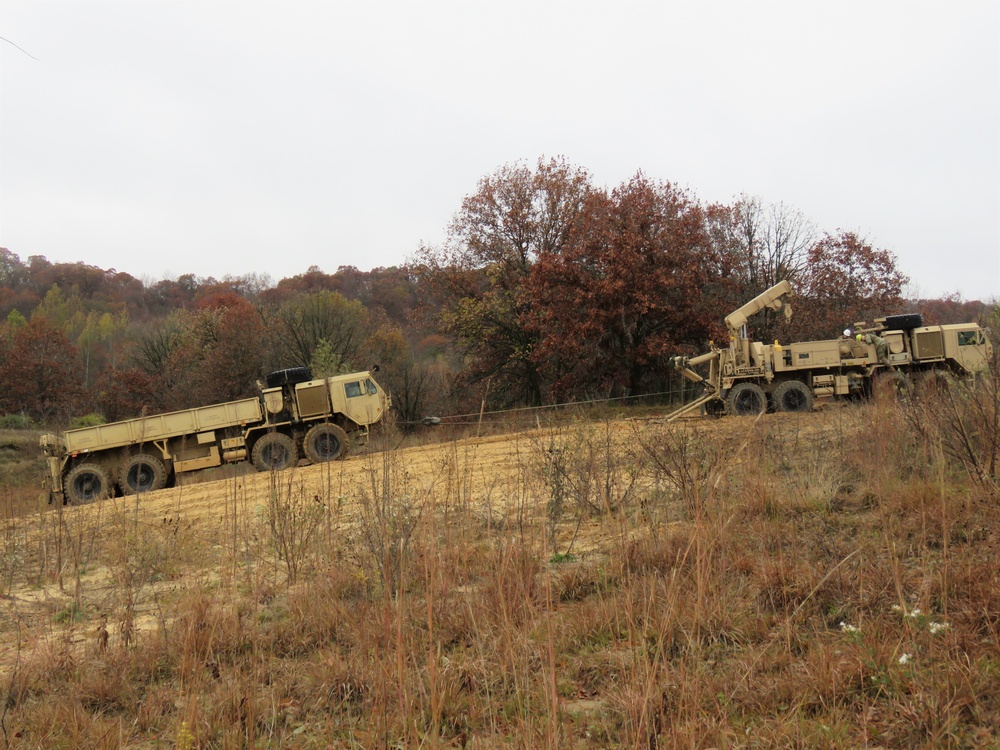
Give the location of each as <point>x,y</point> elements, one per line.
<point>86,483</point>
<point>325,442</point>
<point>793,395</point>
<point>746,398</point>
<point>143,473</point>
<point>274,451</point>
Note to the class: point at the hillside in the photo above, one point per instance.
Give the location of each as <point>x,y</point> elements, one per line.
<point>821,580</point>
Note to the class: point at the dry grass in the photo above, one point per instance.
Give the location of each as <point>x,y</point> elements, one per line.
<point>826,580</point>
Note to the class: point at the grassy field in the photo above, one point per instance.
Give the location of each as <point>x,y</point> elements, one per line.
<point>22,471</point>
<point>823,580</point>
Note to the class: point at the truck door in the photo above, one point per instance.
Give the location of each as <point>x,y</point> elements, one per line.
<point>365,400</point>
<point>972,351</point>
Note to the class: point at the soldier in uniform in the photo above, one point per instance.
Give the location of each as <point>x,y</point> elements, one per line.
<point>881,348</point>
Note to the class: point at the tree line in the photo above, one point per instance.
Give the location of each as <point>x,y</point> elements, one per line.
<point>547,288</point>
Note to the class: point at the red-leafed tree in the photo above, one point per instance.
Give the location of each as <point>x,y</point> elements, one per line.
<point>41,372</point>
<point>218,354</point>
<point>478,280</point>
<point>123,394</point>
<point>951,309</point>
<point>625,292</point>
<point>846,280</point>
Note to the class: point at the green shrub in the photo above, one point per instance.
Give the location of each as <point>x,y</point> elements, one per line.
<point>87,420</point>
<point>16,422</point>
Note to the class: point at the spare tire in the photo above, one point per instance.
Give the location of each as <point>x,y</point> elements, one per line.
<point>904,322</point>
<point>291,376</point>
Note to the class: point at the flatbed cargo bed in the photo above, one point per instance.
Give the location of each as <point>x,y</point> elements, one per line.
<point>163,426</point>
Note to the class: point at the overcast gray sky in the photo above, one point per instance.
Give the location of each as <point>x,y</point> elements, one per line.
<point>214,138</point>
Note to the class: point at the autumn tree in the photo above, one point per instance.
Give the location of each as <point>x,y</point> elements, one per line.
<point>41,372</point>
<point>952,309</point>
<point>313,280</point>
<point>625,291</point>
<point>846,280</point>
<point>218,354</point>
<point>301,324</point>
<point>12,270</point>
<point>758,245</point>
<point>151,344</point>
<point>100,335</point>
<point>479,277</point>
<point>420,385</point>
<point>127,393</point>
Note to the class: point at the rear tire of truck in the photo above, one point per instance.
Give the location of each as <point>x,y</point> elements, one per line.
<point>86,483</point>
<point>746,399</point>
<point>143,473</point>
<point>793,396</point>
<point>274,451</point>
<point>325,442</point>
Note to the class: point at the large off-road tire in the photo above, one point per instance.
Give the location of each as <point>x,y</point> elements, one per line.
<point>746,399</point>
<point>792,395</point>
<point>325,442</point>
<point>291,376</point>
<point>143,473</point>
<point>274,451</point>
<point>86,483</point>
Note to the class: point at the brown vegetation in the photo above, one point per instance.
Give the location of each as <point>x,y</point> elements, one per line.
<point>824,580</point>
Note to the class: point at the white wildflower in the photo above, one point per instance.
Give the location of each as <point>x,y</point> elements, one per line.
<point>896,608</point>
<point>906,658</point>
<point>914,613</point>
<point>937,627</point>
<point>848,628</point>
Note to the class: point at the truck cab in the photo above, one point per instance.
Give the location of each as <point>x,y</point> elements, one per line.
<point>356,398</point>
<point>963,344</point>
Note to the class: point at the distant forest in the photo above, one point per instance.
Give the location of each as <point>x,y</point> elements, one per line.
<point>547,289</point>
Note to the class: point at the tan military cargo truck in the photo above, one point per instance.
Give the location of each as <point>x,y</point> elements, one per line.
<point>749,377</point>
<point>294,414</point>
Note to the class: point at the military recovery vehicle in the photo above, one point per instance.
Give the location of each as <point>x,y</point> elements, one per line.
<point>748,377</point>
<point>294,412</point>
